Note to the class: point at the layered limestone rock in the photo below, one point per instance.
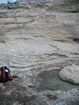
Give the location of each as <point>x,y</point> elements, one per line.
<point>34,39</point>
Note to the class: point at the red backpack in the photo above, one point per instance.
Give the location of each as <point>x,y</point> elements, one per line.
<point>5,74</point>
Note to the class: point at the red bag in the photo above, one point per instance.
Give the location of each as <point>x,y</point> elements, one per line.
<point>5,74</point>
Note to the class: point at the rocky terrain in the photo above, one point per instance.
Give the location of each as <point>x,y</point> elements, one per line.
<point>35,39</point>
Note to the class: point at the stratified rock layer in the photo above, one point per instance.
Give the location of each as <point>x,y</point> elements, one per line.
<point>34,39</point>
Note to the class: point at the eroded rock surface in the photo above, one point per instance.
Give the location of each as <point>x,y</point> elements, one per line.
<point>33,40</point>
<point>70,73</point>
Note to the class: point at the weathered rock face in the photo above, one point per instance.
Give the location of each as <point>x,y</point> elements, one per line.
<point>70,73</point>
<point>33,40</point>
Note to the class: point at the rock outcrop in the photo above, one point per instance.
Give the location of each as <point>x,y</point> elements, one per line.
<point>70,74</point>
<point>33,39</point>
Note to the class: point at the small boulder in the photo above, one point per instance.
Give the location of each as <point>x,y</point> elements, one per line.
<point>70,74</point>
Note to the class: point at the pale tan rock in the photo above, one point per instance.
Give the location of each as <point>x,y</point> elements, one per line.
<point>34,40</point>
<point>70,74</point>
